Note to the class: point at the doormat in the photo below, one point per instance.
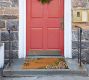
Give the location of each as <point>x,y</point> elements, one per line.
<point>45,63</point>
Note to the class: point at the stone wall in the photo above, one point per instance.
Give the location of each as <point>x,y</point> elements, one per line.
<point>85,34</point>
<point>9,18</point>
<point>85,45</point>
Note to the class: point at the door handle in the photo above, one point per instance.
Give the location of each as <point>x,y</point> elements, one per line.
<point>62,26</point>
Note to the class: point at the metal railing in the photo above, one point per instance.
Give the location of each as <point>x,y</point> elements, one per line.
<point>79,45</point>
<point>10,50</point>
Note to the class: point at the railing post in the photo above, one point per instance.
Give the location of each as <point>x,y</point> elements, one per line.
<point>9,48</point>
<point>80,45</point>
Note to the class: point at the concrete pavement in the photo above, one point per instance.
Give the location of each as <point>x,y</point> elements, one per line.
<point>55,77</point>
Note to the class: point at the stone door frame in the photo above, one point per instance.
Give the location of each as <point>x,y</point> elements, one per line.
<point>67,29</point>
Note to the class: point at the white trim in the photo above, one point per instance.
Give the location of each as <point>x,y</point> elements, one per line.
<point>67,29</point>
<point>1,55</point>
<point>22,28</point>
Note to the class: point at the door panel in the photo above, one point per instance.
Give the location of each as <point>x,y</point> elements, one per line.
<point>36,8</point>
<point>53,8</point>
<point>53,38</point>
<point>36,40</point>
<point>44,25</point>
<point>36,23</point>
<point>53,23</point>
<point>56,8</point>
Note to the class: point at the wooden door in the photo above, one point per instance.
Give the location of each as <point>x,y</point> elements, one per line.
<point>45,25</point>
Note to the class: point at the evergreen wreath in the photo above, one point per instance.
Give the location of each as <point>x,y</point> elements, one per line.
<point>44,1</point>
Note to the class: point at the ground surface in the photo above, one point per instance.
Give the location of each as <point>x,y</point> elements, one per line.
<point>55,77</point>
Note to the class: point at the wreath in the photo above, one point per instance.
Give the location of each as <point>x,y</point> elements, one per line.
<point>44,1</point>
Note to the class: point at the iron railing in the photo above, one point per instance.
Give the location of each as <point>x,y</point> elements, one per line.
<point>10,48</point>
<point>79,45</point>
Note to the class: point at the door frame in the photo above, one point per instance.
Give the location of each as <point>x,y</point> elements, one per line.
<point>67,29</point>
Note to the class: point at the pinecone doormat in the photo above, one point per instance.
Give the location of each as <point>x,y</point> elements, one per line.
<point>45,63</point>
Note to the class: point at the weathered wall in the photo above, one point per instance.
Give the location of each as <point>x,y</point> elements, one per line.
<point>81,4</point>
<point>9,18</point>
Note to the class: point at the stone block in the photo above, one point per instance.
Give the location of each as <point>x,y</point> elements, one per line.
<point>14,36</point>
<point>87,58</point>
<point>12,25</point>
<point>5,36</point>
<point>14,54</point>
<point>11,11</point>
<point>5,17</point>
<point>5,4</point>
<point>84,54</point>
<point>7,45</point>
<point>79,3</point>
<point>1,12</point>
<point>2,24</point>
<point>4,0</point>
<point>84,44</point>
<point>15,45</point>
<point>74,35</point>
<point>14,3</point>
<point>85,35</point>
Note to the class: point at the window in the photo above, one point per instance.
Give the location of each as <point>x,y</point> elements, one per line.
<point>78,14</point>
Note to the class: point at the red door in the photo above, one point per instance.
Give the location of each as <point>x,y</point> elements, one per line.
<point>45,25</point>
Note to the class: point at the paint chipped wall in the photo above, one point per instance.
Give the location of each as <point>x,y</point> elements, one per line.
<point>80,6</point>
<point>9,18</point>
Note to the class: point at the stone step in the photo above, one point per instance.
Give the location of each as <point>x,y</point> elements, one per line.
<point>44,53</point>
<point>45,56</point>
<point>74,69</point>
<point>28,73</point>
